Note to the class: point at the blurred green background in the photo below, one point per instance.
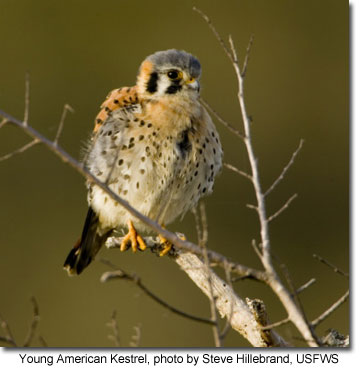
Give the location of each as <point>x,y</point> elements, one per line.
<point>296,87</point>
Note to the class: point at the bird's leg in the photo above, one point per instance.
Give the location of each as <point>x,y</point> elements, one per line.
<point>135,239</point>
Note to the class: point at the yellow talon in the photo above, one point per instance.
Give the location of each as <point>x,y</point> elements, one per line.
<point>167,245</point>
<point>134,238</point>
<point>142,244</point>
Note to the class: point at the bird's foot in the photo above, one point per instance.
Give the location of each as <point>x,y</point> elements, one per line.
<point>167,245</point>
<point>134,238</point>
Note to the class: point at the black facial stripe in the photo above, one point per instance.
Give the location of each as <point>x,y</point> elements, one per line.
<point>152,83</point>
<point>184,145</point>
<point>173,88</point>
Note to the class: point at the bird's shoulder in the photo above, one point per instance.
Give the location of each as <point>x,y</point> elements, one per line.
<point>122,98</point>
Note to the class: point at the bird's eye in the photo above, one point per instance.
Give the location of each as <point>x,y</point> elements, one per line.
<point>174,75</point>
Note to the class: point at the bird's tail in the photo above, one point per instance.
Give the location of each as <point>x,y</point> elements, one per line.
<point>87,247</point>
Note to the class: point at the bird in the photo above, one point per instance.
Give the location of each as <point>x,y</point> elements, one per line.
<point>155,146</point>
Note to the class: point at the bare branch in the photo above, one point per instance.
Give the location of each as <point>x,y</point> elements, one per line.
<point>27,99</point>
<point>20,150</point>
<point>67,108</point>
<point>34,322</point>
<point>213,29</point>
<point>305,285</point>
<point>236,170</point>
<point>215,258</point>
<point>227,302</point>
<point>329,311</point>
<point>285,169</point>
<point>273,279</point>
<point>221,120</point>
<point>120,274</point>
<point>115,337</point>
<point>283,208</point>
<point>330,265</point>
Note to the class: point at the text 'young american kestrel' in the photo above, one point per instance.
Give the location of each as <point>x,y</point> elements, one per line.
<point>156,147</point>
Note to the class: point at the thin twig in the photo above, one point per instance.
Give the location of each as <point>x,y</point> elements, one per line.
<point>247,55</point>
<point>277,324</point>
<point>34,322</point>
<point>285,169</point>
<point>115,337</point>
<point>213,29</point>
<point>305,285</point>
<point>236,170</point>
<point>283,208</point>
<point>120,274</point>
<point>221,120</point>
<point>330,265</point>
<point>329,311</point>
<point>253,207</point>
<point>27,99</point>
<point>67,108</point>
<point>19,150</point>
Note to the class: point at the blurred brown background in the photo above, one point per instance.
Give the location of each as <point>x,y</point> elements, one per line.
<point>296,87</point>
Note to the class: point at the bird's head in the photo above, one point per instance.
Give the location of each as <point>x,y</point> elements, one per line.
<point>169,73</point>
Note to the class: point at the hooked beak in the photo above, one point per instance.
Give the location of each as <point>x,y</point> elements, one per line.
<point>192,83</point>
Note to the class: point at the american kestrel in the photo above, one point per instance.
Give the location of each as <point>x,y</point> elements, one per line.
<point>156,146</point>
